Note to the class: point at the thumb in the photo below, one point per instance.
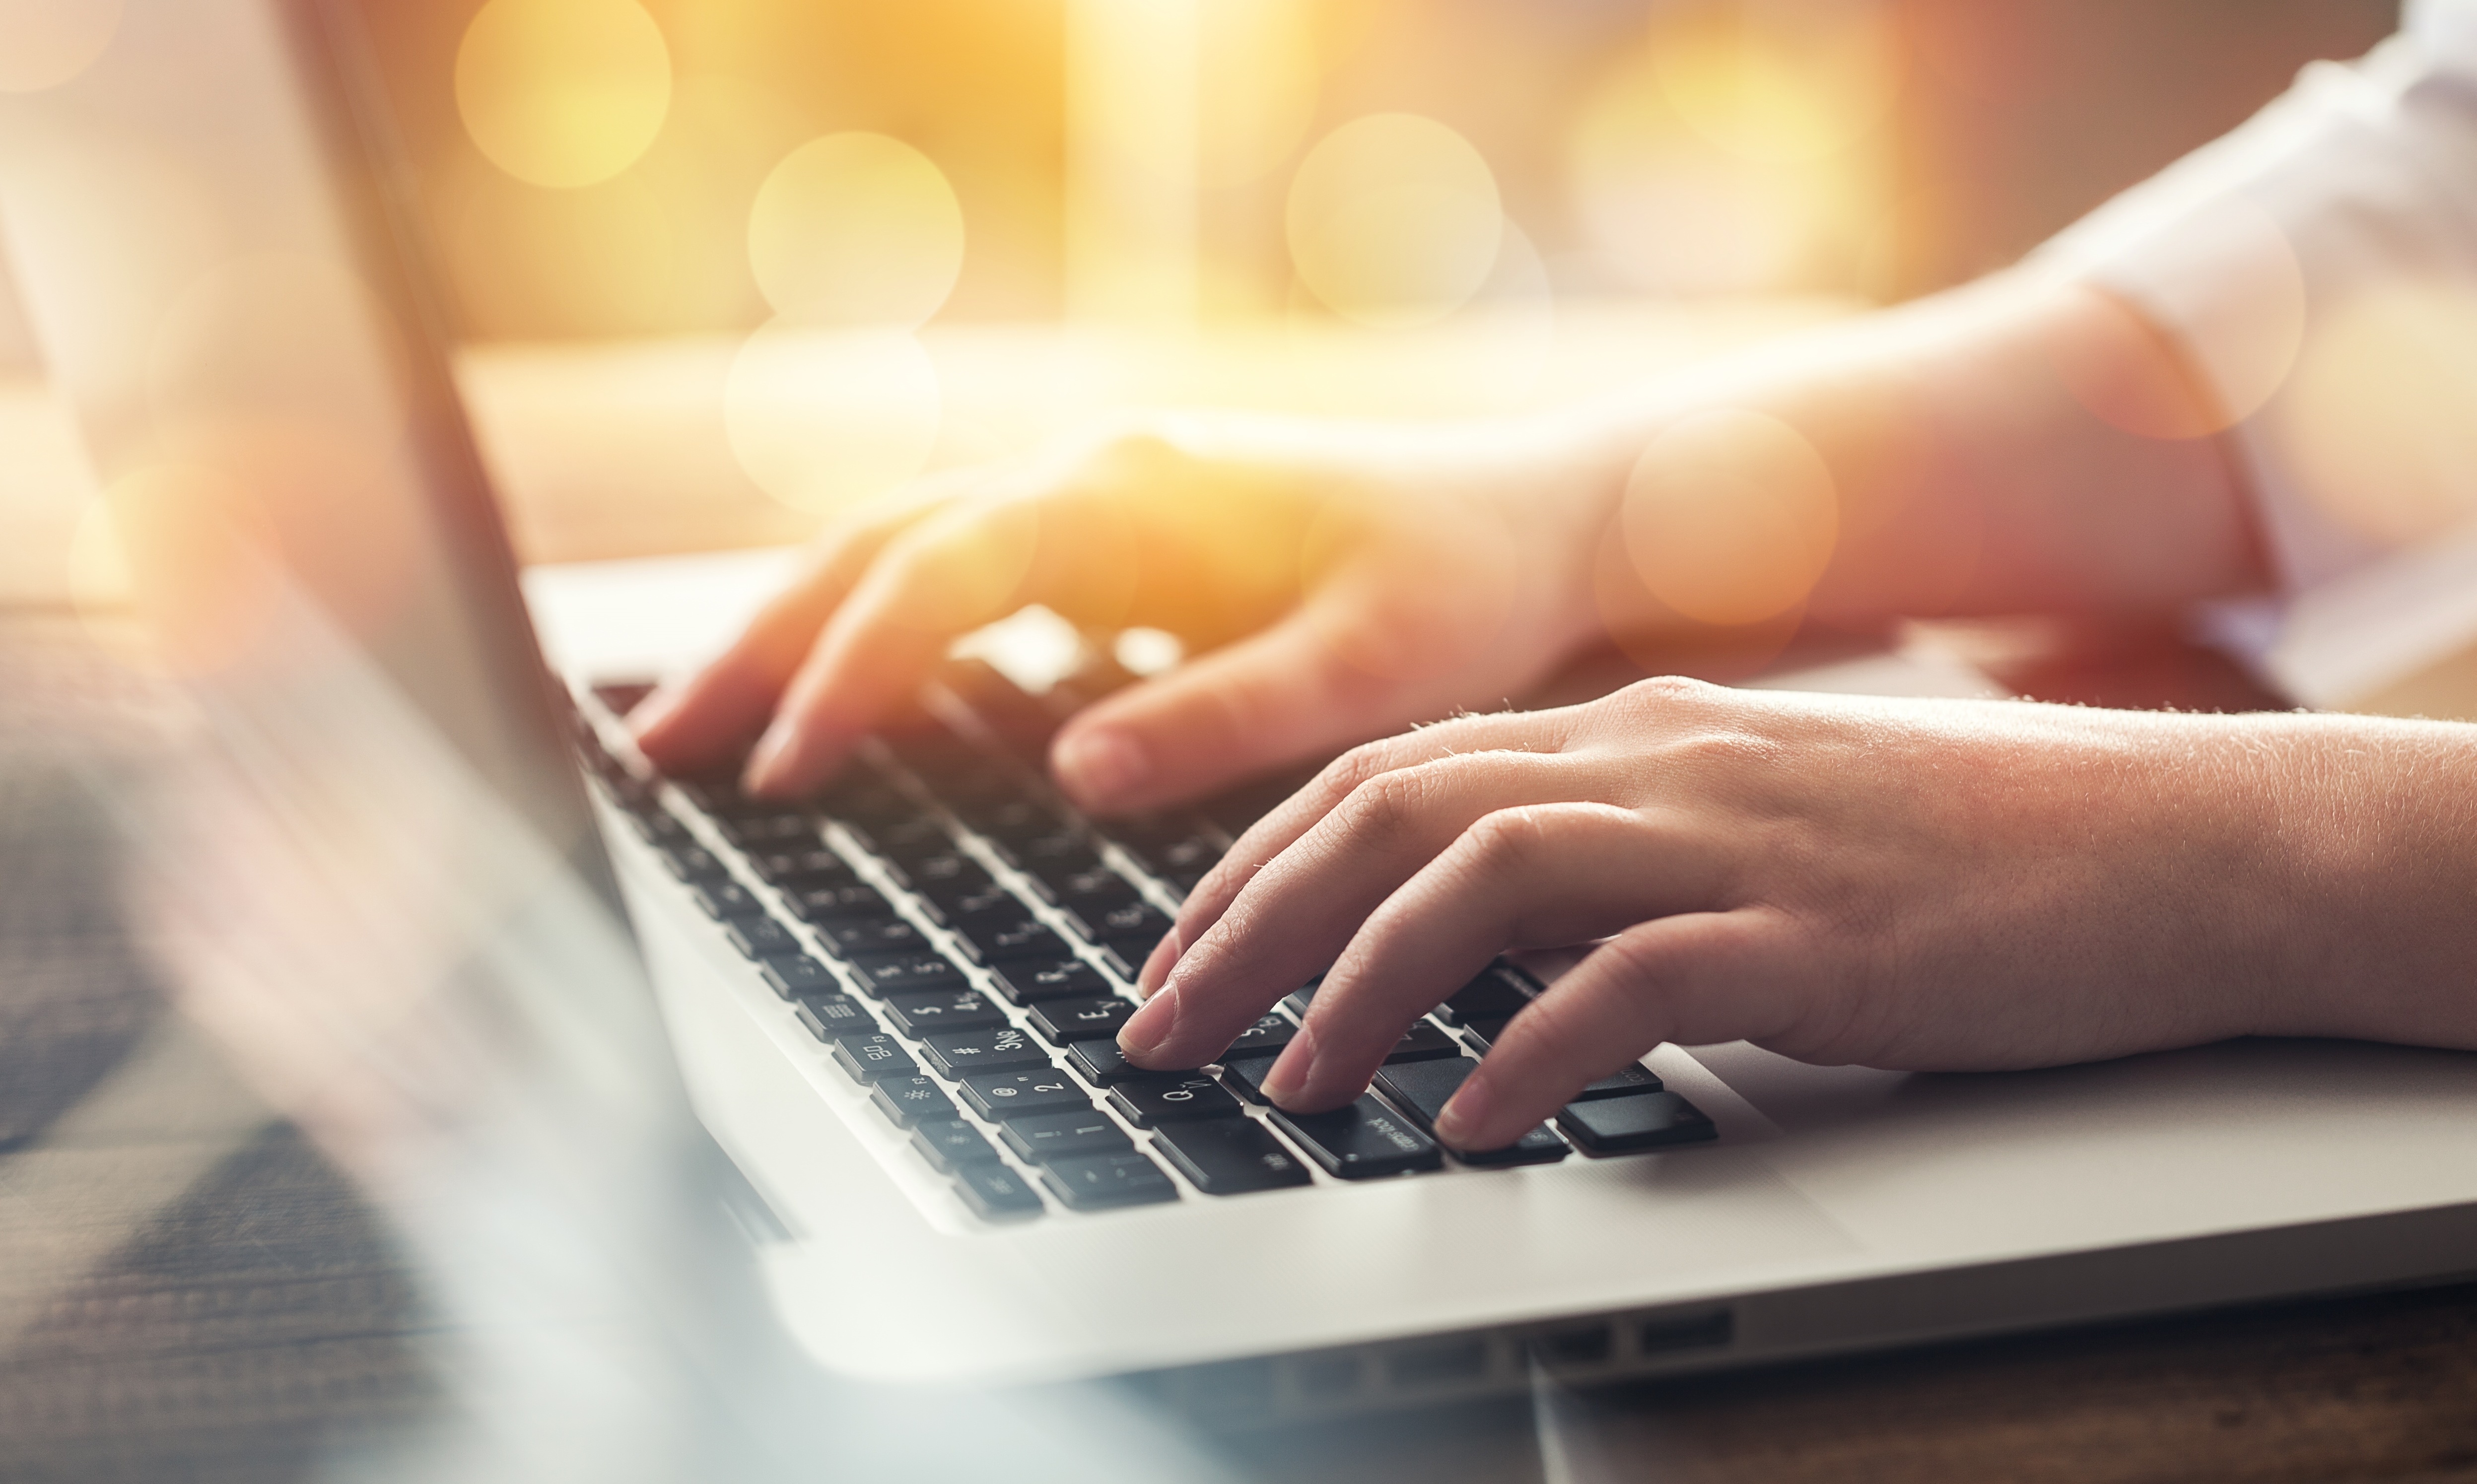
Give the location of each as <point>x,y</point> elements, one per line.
<point>1276,697</point>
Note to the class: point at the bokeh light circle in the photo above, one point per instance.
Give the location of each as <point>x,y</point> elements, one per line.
<point>1731,517</point>
<point>2377,418</point>
<point>563,93</point>
<point>1768,90</point>
<point>856,229</point>
<point>1393,220</point>
<point>819,420</point>
<point>44,43</point>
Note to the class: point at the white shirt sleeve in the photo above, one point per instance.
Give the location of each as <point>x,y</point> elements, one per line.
<point>2319,267</point>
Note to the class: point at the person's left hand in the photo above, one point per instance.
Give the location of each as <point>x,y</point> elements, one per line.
<point>1900,883</point>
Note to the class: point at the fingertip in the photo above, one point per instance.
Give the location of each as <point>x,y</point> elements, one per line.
<point>791,758</point>
<point>1101,767</point>
<point>1164,958</point>
<point>1150,1027</point>
<point>1463,1124</point>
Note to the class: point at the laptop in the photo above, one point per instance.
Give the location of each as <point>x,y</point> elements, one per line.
<point>893,1004</point>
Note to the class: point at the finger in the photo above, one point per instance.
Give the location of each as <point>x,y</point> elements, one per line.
<point>1694,978</point>
<point>1542,732</point>
<point>698,722</point>
<point>1246,708</point>
<point>1534,877</point>
<point>939,580</point>
<point>1298,914</point>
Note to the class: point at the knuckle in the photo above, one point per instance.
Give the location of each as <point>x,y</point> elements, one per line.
<point>1384,805</point>
<point>1508,839</point>
<point>1668,693</point>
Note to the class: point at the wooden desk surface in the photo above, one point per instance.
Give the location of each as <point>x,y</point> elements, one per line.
<point>188,1291</point>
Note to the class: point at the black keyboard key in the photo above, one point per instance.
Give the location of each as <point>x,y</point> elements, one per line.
<point>1001,936</point>
<point>831,1017</point>
<point>763,831</point>
<point>873,1055</point>
<point>1495,995</point>
<point>995,1193</point>
<point>692,863</point>
<point>1128,922</point>
<point>1010,813</point>
<point>946,877</point>
<point>1101,1063</point>
<point>1002,1095</point>
<point>1061,1021</point>
<point>1150,1101</point>
<point>1088,886</point>
<point>1099,1182</point>
<point>1298,999</point>
<point>1030,981</point>
<point>907,1100</point>
<point>725,900</point>
<point>950,1145</point>
<point>763,937</point>
<point>857,799</point>
<point>1540,1147</point>
<point>1171,849</point>
<point>938,1010</point>
<point>1625,1082</point>
<point>1245,1074</point>
<point>979,901</point>
<point>800,867</point>
<point>1421,1089</point>
<point>1064,848</point>
<point>1040,1137</point>
<point>1229,1156</point>
<point>826,901</point>
<point>853,937</point>
<point>1424,1041</point>
<point>881,975</point>
<point>657,826</point>
<point>1362,1142</point>
<point>959,1052</point>
<point>1272,1031</point>
<point>1626,1125</point>
<point>905,839</point>
<point>793,974</point>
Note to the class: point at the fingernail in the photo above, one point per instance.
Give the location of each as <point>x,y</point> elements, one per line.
<point>1157,964</point>
<point>1151,1026</point>
<point>770,760</point>
<point>1294,1071</point>
<point>1465,1115</point>
<point>1100,766</point>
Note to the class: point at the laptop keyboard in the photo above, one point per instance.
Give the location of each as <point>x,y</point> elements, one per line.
<point>964,944</point>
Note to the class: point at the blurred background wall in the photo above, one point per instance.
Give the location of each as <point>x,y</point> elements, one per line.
<point>1152,159</point>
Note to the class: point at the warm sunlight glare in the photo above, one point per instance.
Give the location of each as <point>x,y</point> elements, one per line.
<point>563,93</point>
<point>820,419</point>
<point>1783,82</point>
<point>1731,517</point>
<point>1393,220</point>
<point>2376,417</point>
<point>856,229</point>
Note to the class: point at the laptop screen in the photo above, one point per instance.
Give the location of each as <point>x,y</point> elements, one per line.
<point>221,277</point>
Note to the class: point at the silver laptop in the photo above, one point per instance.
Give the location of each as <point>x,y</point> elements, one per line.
<point>894,1004</point>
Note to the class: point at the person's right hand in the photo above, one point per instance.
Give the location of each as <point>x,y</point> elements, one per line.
<point>1335,583</point>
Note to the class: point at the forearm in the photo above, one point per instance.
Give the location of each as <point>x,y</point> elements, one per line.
<point>1967,475</point>
<point>2369,839</point>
